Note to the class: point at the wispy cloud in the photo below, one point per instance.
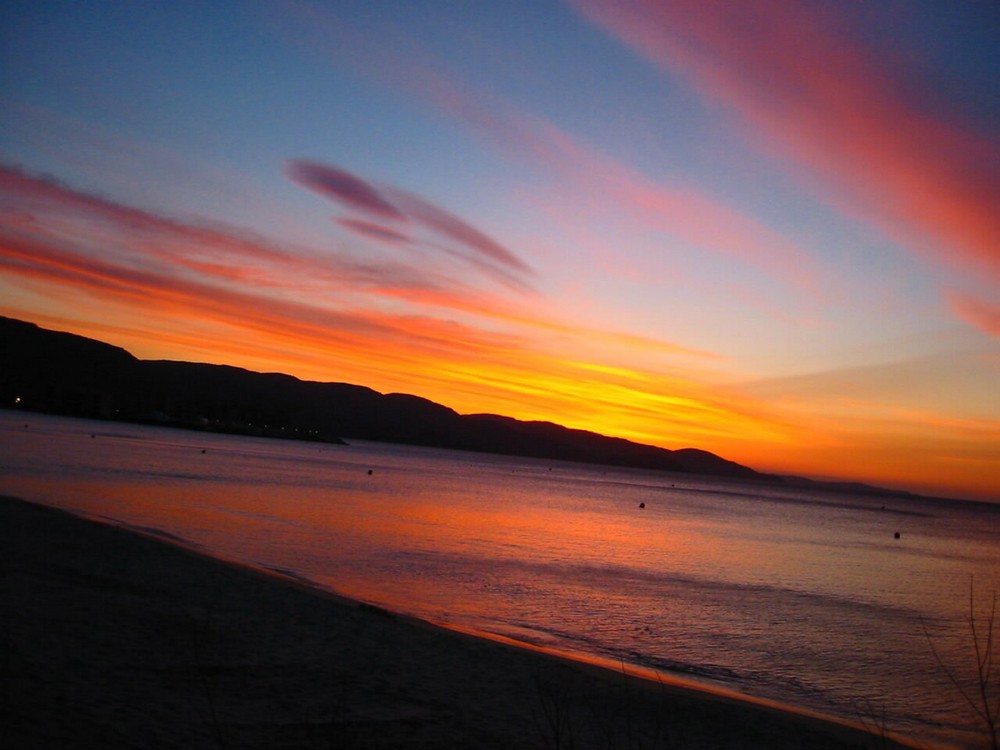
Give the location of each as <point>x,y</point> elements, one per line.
<point>187,287</point>
<point>676,210</point>
<point>820,98</point>
<point>454,228</point>
<point>364,310</point>
<point>102,247</point>
<point>404,208</point>
<point>680,211</point>
<point>373,230</point>
<point>344,188</point>
<point>44,207</point>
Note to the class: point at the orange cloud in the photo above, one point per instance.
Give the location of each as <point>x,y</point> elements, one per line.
<point>74,230</point>
<point>930,424</point>
<point>118,255</point>
<point>919,450</point>
<point>44,208</point>
<point>832,106</point>
<point>442,359</point>
<point>165,288</point>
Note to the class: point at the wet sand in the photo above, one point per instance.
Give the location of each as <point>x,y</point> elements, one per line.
<point>115,639</point>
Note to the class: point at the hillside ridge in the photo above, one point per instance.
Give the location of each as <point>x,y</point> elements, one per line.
<point>63,373</point>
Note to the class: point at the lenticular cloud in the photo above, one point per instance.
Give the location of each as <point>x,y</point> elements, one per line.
<point>378,213</point>
<point>343,187</point>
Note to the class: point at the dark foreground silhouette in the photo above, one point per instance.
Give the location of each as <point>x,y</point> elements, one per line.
<point>116,640</point>
<point>67,374</point>
<point>62,373</point>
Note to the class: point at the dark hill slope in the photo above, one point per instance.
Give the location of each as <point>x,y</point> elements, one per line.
<point>68,374</point>
<point>31,356</point>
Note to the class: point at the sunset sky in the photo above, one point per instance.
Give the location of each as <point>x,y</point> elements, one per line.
<point>768,229</point>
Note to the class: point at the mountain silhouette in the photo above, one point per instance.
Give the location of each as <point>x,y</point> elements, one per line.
<point>62,373</point>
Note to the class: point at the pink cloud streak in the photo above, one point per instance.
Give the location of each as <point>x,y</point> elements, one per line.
<point>152,288</point>
<point>977,312</point>
<point>682,212</point>
<point>35,206</point>
<point>69,240</point>
<point>831,106</point>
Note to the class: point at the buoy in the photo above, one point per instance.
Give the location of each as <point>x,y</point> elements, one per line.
<point>896,535</point>
<point>370,472</point>
<point>202,450</point>
<point>642,505</point>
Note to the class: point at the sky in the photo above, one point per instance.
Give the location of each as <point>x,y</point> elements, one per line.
<point>767,229</point>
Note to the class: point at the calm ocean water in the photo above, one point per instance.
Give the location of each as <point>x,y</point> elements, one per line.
<point>796,596</point>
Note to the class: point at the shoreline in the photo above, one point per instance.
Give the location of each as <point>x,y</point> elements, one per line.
<point>120,637</point>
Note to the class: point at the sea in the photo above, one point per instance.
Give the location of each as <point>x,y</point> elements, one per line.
<point>850,605</point>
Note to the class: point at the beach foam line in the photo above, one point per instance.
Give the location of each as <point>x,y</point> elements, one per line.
<point>661,680</point>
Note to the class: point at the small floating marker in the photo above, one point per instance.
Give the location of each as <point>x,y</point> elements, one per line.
<point>92,435</point>
<point>370,472</point>
<point>896,535</point>
<point>202,450</point>
<point>642,505</point>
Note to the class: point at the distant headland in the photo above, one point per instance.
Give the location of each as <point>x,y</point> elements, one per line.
<point>62,373</point>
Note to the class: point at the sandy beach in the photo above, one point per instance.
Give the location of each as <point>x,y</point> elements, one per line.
<point>115,638</point>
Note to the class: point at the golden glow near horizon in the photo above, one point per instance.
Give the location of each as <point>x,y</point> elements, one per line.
<point>749,256</point>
